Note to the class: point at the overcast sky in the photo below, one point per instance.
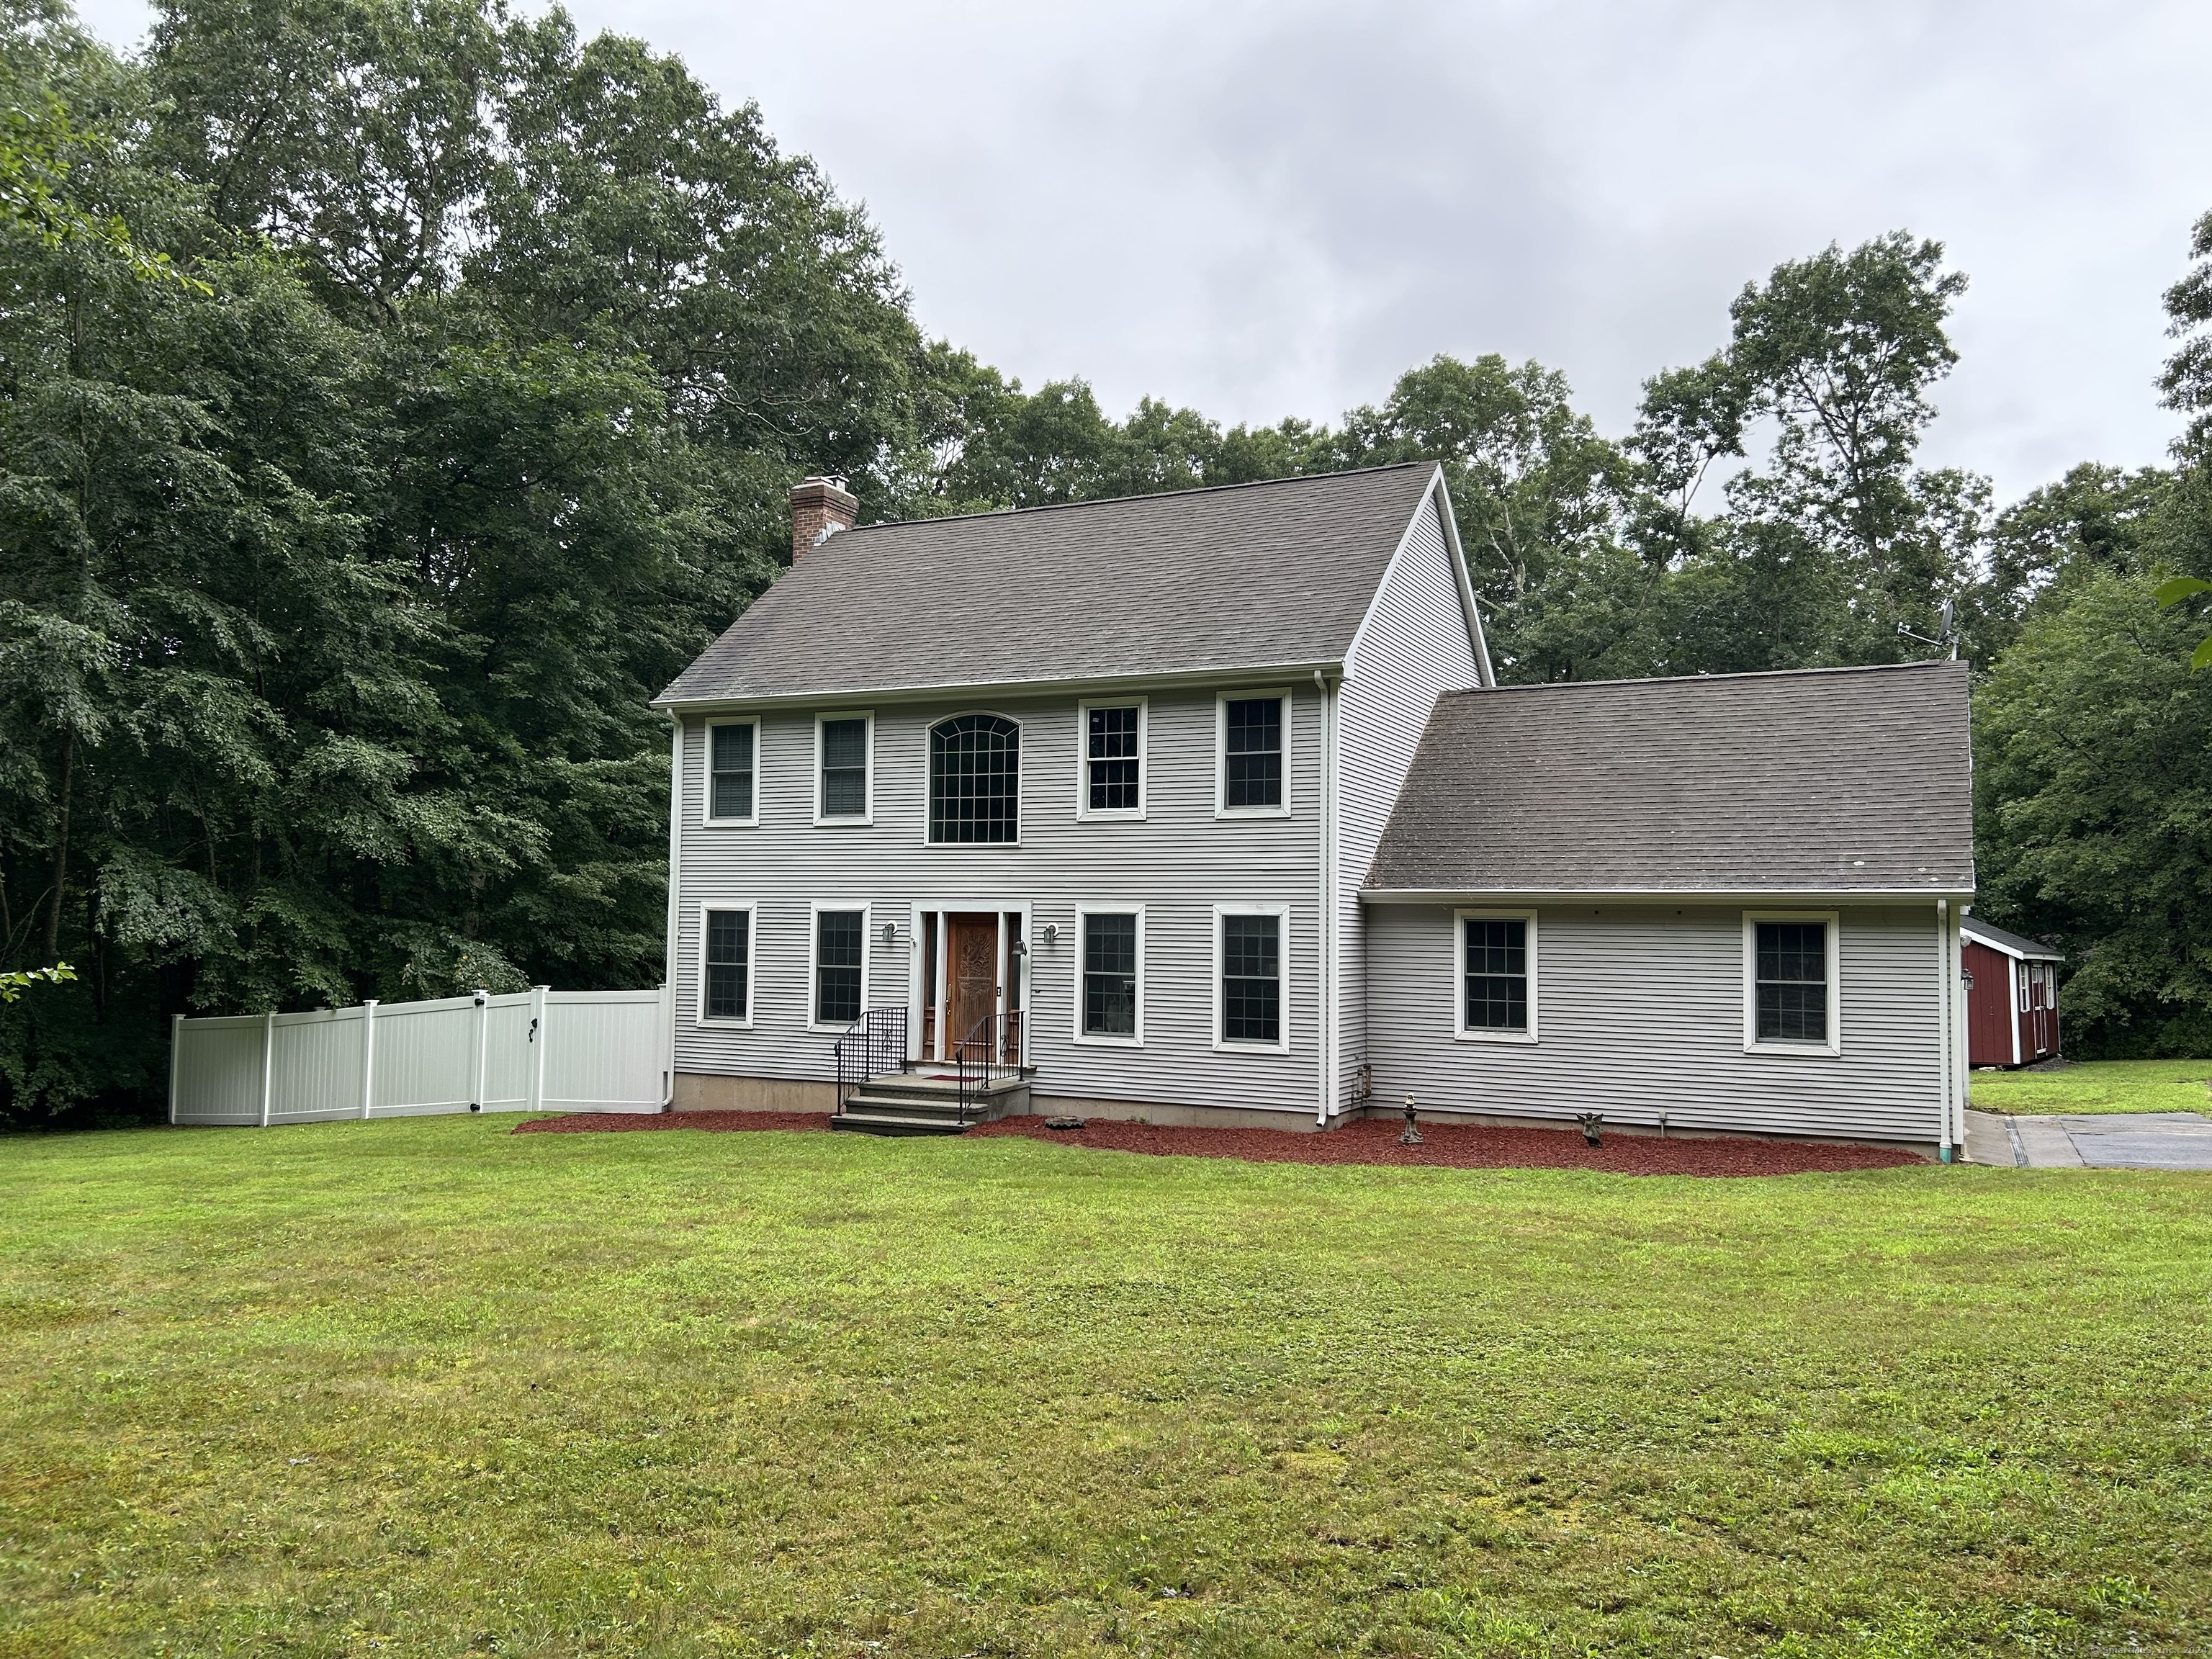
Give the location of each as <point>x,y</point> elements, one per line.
<point>1265,210</point>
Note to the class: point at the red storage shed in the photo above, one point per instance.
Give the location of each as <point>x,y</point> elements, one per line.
<point>2012,1008</point>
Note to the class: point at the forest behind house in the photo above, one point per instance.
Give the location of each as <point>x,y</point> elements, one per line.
<point>399,392</point>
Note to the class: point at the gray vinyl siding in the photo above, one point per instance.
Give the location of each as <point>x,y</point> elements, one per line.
<point>1177,863</point>
<point>1641,1009</point>
<point>1413,646</point>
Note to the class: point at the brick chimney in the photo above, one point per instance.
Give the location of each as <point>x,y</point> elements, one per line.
<point>820,507</point>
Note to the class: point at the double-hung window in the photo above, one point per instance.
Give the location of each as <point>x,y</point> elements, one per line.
<point>1791,994</point>
<point>1112,777</point>
<point>1252,728</point>
<point>731,746</point>
<point>725,980</point>
<point>842,744</point>
<point>840,961</point>
<point>1111,1007</point>
<point>1497,964</point>
<point>1249,977</point>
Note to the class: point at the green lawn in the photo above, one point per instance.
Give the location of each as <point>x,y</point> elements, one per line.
<point>2098,1085</point>
<point>429,1388</point>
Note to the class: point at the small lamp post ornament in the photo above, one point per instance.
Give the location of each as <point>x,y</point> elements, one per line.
<point>1411,1136</point>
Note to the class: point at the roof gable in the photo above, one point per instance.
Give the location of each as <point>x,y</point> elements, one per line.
<point>2012,944</point>
<point>1252,576</point>
<point>1835,781</point>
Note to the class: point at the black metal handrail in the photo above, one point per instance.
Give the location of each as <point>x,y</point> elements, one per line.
<point>977,1056</point>
<point>872,1045</point>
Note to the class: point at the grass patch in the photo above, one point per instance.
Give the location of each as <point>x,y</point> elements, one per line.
<point>2098,1086</point>
<point>424,1387</point>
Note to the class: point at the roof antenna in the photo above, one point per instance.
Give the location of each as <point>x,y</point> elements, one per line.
<point>1948,637</point>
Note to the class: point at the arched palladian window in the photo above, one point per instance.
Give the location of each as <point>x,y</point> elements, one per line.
<point>975,779</point>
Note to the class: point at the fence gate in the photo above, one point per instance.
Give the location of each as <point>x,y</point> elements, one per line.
<point>535,1050</point>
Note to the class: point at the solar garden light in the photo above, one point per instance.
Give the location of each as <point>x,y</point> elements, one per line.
<point>1411,1136</point>
<point>1591,1122</point>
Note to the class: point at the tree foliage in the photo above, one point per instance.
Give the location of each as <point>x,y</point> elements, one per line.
<point>338,563</point>
<point>335,585</point>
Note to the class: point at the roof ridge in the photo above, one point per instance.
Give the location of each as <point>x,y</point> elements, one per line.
<point>1142,496</point>
<point>1701,679</point>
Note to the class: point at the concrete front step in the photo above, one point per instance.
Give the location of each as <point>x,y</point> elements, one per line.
<point>907,1105</point>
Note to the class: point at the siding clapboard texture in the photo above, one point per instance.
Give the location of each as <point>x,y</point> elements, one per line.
<point>1177,863</point>
<point>1413,646</point>
<point>1640,1009</point>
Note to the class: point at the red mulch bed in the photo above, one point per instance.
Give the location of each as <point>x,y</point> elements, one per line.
<point>1367,1140</point>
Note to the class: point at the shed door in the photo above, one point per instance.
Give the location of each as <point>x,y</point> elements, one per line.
<point>1989,1006</point>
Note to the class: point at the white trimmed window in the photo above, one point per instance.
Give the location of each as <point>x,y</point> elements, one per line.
<point>1792,1003</point>
<point>837,972</point>
<point>1110,770</point>
<point>725,964</point>
<point>1252,746</point>
<point>844,768</point>
<point>1110,1003</point>
<point>733,765</point>
<point>1250,943</point>
<point>1494,964</point>
<point>975,781</point>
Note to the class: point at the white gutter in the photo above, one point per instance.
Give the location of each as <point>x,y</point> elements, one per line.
<point>675,865</point>
<point>849,696</point>
<point>1657,895</point>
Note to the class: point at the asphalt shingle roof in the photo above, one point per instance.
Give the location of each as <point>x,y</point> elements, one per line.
<point>1832,781</point>
<point>1975,928</point>
<point>1247,576</point>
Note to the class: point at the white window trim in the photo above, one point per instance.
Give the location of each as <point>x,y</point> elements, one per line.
<point>1752,1045</point>
<point>723,1023</point>
<point>814,951</point>
<point>1084,810</point>
<point>1282,1046</point>
<point>1021,804</point>
<point>841,819</point>
<point>706,774</point>
<point>1460,1029</point>
<point>1221,808</point>
<point>1097,1039</point>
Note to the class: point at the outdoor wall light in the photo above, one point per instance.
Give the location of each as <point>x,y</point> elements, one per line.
<point>890,933</point>
<point>1052,933</point>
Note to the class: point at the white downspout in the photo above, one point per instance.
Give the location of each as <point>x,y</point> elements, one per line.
<point>675,863</point>
<point>1325,991</point>
<point>1947,975</point>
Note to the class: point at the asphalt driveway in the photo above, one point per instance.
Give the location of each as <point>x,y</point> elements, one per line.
<point>2116,1140</point>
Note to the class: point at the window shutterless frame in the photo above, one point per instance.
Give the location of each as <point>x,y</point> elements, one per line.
<point>1084,916</point>
<point>1462,967</point>
<point>1827,920</point>
<point>1105,751</point>
<point>1282,915</point>
<point>749,910</point>
<point>814,914</point>
<point>972,780</point>
<point>719,752</point>
<point>822,787</point>
<point>1222,808</point>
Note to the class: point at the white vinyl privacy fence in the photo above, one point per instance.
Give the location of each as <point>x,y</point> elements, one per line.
<point>535,1050</point>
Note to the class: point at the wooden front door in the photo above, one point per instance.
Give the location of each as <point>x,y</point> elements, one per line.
<point>971,975</point>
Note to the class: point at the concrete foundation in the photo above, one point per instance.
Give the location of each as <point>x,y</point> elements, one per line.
<point>700,1091</point>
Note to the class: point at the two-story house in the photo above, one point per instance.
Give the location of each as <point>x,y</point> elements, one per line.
<point>1206,807</point>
